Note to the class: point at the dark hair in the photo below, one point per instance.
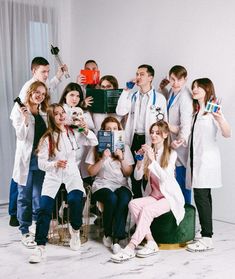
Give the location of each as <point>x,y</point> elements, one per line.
<point>38,61</point>
<point>208,86</point>
<point>111,79</point>
<point>150,69</point>
<point>178,71</point>
<point>72,86</point>
<point>90,61</point>
<point>108,119</point>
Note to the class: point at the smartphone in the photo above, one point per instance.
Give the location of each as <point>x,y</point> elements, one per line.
<point>18,101</point>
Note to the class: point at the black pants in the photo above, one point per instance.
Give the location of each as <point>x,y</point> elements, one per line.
<point>203,203</point>
<point>45,214</point>
<point>115,210</point>
<point>138,140</point>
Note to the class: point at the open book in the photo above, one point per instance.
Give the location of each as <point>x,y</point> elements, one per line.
<point>112,140</point>
<point>104,101</point>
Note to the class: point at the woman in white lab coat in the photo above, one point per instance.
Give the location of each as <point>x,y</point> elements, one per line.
<point>162,192</point>
<point>204,164</point>
<point>57,157</point>
<point>29,121</point>
<point>70,99</point>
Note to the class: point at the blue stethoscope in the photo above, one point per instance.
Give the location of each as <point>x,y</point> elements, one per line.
<point>153,107</point>
<point>154,100</point>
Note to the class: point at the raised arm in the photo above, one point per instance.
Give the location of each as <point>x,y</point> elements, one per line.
<point>124,103</point>
<point>223,124</point>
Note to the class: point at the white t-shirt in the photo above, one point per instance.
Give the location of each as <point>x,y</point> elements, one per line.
<point>110,175</point>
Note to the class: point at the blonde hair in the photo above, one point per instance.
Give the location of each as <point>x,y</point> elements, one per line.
<point>163,127</point>
<point>32,88</point>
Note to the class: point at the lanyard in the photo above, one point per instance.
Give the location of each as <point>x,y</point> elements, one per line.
<point>134,97</point>
<point>172,98</point>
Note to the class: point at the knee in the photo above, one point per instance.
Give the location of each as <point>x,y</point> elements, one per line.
<point>46,205</point>
<point>131,205</point>
<point>75,196</point>
<point>125,199</point>
<point>111,199</point>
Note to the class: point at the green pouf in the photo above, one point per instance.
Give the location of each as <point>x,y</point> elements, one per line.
<point>165,230</point>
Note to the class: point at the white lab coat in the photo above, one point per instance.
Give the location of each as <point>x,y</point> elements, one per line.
<point>206,155</point>
<point>180,115</point>
<point>24,143</point>
<point>127,104</point>
<point>82,152</point>
<point>70,176</point>
<point>167,184</point>
<point>51,85</point>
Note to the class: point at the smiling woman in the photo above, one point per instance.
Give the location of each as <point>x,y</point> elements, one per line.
<point>29,27</point>
<point>57,157</point>
<point>29,121</point>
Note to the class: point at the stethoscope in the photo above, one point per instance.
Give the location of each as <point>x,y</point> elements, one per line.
<point>153,107</point>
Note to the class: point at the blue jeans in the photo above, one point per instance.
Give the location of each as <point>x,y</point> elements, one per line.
<point>75,201</point>
<point>12,208</point>
<point>180,177</point>
<point>29,199</point>
<point>115,210</point>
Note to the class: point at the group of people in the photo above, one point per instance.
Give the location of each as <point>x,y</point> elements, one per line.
<point>170,148</point>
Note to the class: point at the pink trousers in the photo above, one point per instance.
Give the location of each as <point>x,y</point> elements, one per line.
<point>143,211</point>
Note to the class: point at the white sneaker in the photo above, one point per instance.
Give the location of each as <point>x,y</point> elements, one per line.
<point>202,245</point>
<point>149,249</point>
<point>38,254</point>
<point>197,236</point>
<point>116,248</point>
<point>124,255</point>
<point>107,241</point>
<point>28,241</point>
<point>32,228</point>
<point>75,242</point>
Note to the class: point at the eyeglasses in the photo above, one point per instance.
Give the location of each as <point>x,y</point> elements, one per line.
<point>109,86</point>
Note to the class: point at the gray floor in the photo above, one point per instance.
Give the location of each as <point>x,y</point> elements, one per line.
<point>93,260</point>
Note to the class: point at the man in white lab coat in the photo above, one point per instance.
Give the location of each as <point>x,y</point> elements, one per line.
<point>180,109</point>
<point>143,108</point>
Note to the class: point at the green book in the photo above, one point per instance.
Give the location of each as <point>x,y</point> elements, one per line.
<point>104,101</point>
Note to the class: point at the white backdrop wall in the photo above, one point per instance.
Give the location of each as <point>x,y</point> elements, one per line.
<point>121,35</point>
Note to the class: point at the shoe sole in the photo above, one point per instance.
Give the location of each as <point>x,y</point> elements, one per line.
<point>201,250</point>
<point>34,262</point>
<point>29,247</point>
<point>121,261</point>
<point>31,261</point>
<point>146,255</point>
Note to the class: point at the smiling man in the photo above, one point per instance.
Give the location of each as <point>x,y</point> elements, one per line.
<point>40,71</point>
